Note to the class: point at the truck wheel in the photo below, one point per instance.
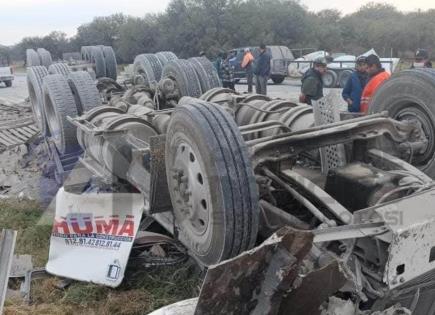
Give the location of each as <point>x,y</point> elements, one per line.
<point>59,68</point>
<point>207,74</point>
<point>97,59</point>
<point>155,64</point>
<point>410,95</point>
<point>45,57</point>
<point>85,91</point>
<point>110,60</point>
<point>344,77</point>
<point>211,182</point>
<point>143,67</point>
<point>8,83</point>
<point>182,72</point>
<point>278,79</point>
<point>58,105</point>
<point>329,79</point>
<point>35,76</point>
<point>86,53</point>
<point>168,55</point>
<point>32,58</point>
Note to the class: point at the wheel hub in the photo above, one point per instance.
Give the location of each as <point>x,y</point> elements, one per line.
<point>417,115</point>
<point>191,191</point>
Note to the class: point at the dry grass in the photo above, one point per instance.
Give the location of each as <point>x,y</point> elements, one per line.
<point>141,292</point>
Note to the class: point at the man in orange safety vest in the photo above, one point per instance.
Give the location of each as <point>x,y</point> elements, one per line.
<point>377,75</point>
<point>247,62</point>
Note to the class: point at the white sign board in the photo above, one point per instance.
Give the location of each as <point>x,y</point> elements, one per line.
<point>93,235</point>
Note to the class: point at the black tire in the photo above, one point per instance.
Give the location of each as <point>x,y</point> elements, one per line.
<point>278,79</point>
<point>215,139</point>
<point>207,74</point>
<point>32,58</point>
<point>343,77</point>
<point>155,63</point>
<point>86,53</point>
<point>410,94</point>
<point>169,55</point>
<point>59,103</point>
<point>329,79</point>
<point>45,57</point>
<point>143,67</point>
<point>59,68</point>
<point>162,58</point>
<point>8,83</point>
<point>35,76</point>
<point>110,60</point>
<point>183,73</point>
<point>85,91</point>
<point>97,58</point>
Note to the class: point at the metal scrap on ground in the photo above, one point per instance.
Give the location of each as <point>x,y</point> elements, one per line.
<point>7,247</point>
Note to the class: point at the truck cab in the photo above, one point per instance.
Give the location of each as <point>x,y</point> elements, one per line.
<point>6,72</point>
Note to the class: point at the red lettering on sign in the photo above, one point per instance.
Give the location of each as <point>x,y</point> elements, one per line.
<point>110,227</point>
<point>127,228</point>
<point>58,225</point>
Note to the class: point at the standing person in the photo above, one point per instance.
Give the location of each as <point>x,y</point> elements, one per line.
<point>262,70</point>
<point>422,59</point>
<point>218,63</point>
<point>312,83</point>
<point>246,64</point>
<point>377,75</point>
<point>227,70</point>
<point>355,85</point>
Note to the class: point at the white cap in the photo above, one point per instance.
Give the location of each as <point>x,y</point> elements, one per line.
<point>247,49</point>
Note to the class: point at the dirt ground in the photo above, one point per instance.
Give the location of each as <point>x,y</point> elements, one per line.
<point>27,203</point>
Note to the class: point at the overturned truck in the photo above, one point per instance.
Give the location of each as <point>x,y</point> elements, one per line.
<point>224,173</point>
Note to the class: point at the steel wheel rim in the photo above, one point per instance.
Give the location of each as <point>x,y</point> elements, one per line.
<point>190,186</point>
<point>53,122</point>
<point>416,113</point>
<point>328,79</point>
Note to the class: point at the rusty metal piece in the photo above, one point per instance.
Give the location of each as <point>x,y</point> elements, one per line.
<point>315,288</point>
<point>257,281</point>
<point>160,200</point>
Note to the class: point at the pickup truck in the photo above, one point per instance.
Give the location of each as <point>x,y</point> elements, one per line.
<point>6,73</point>
<point>281,57</point>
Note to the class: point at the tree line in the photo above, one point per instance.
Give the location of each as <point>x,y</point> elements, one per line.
<point>190,26</point>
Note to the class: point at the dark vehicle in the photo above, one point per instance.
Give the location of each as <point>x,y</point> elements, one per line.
<point>281,57</point>
<point>6,74</point>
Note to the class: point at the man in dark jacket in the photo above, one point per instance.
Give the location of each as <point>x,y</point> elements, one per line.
<point>312,83</point>
<point>355,85</point>
<point>227,73</point>
<point>262,70</point>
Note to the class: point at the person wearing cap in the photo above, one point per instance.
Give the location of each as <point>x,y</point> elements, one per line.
<point>422,59</point>
<point>312,83</point>
<point>262,70</point>
<point>246,64</point>
<point>355,85</point>
<point>377,76</point>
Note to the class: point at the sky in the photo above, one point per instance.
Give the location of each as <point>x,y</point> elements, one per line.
<point>21,18</point>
